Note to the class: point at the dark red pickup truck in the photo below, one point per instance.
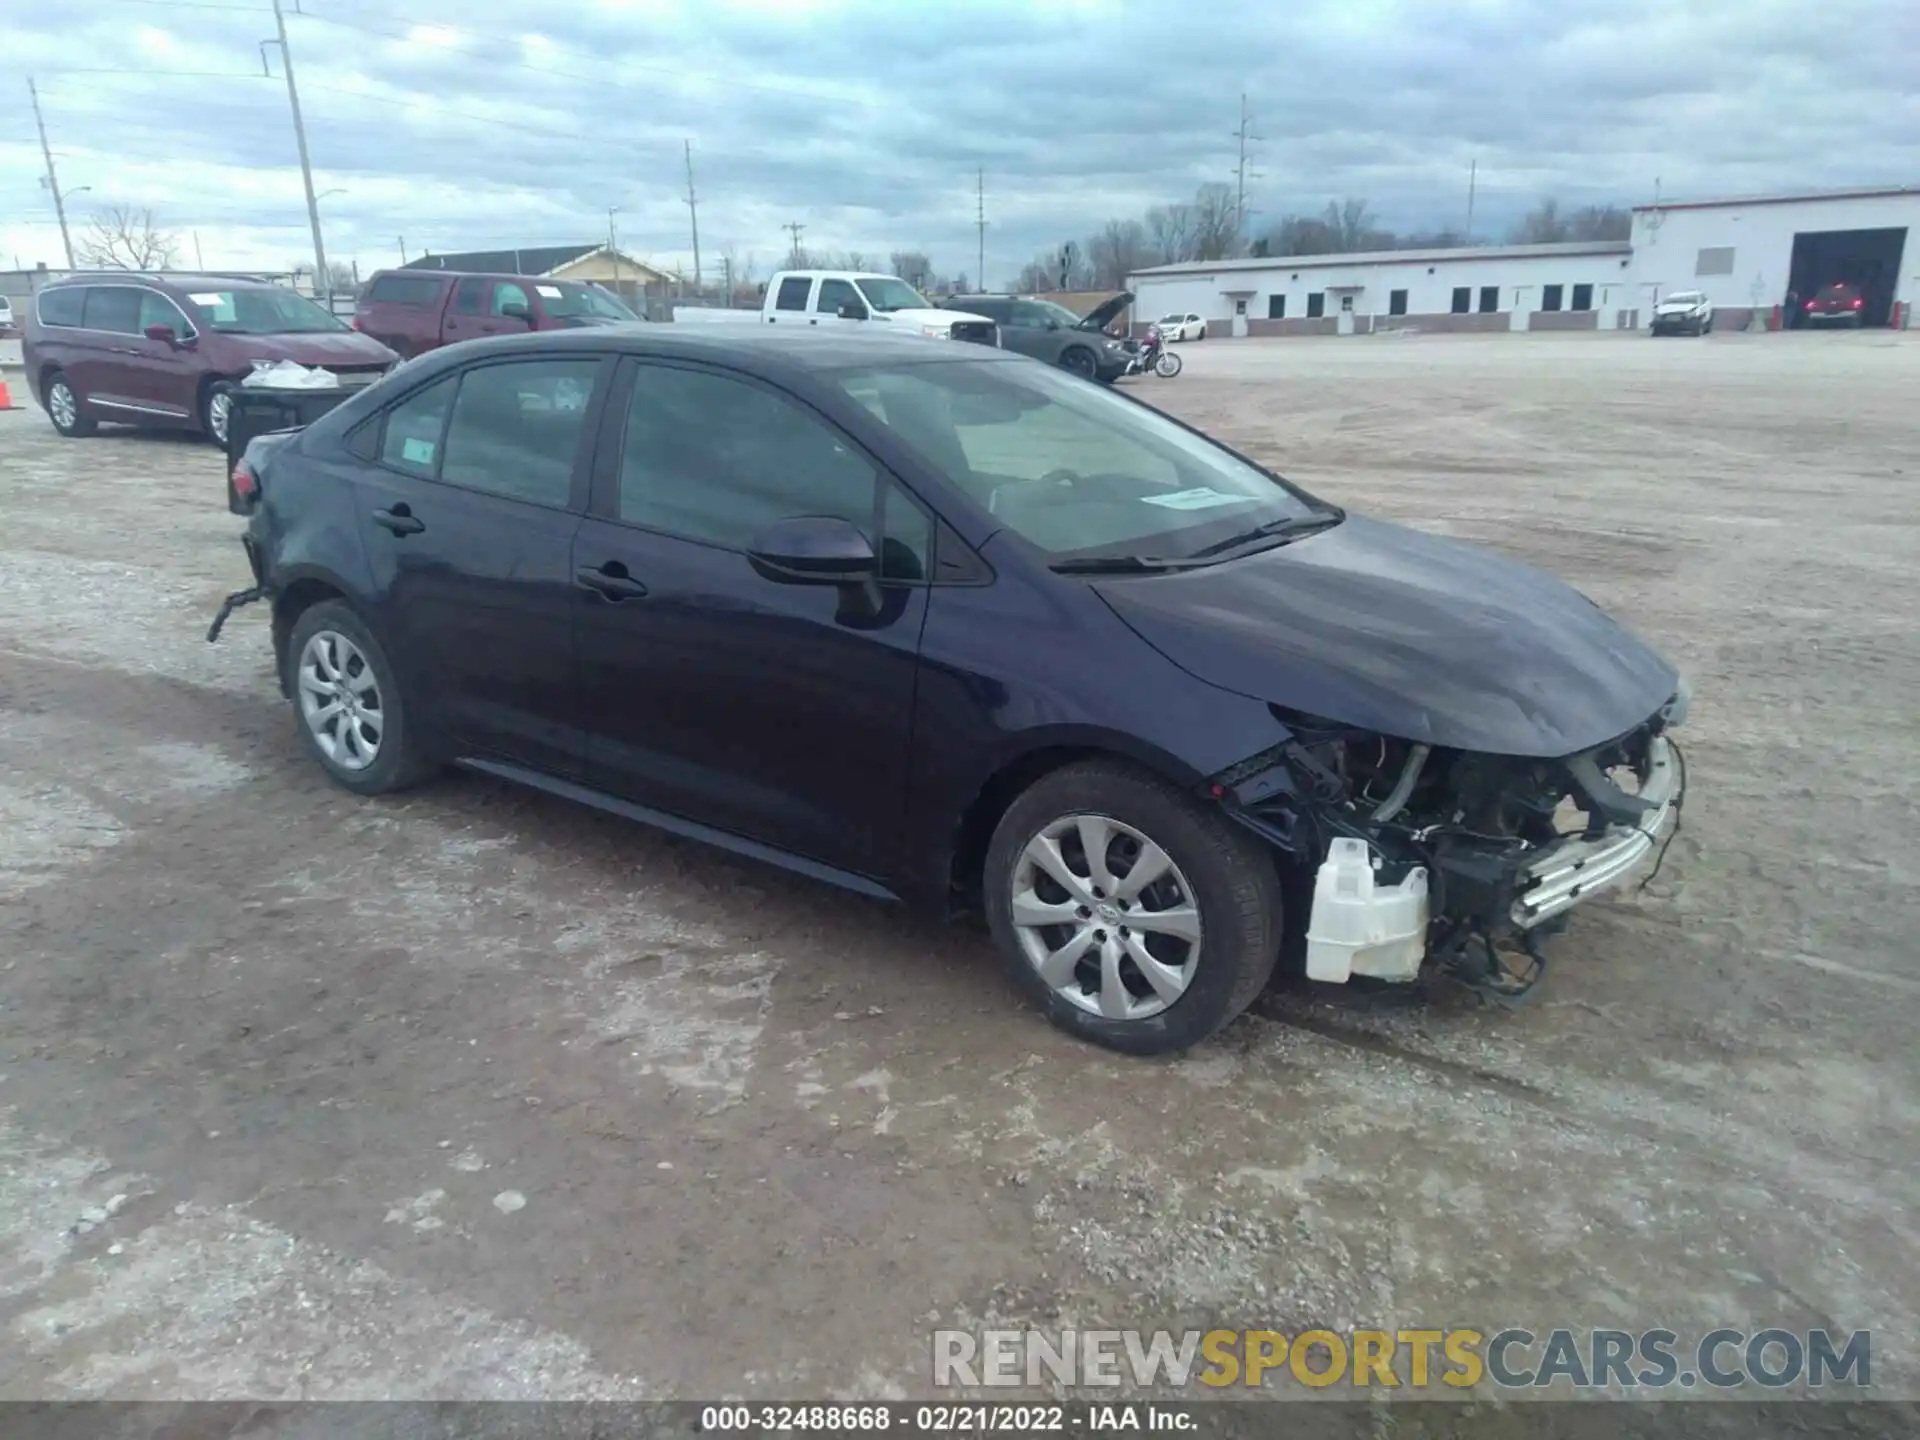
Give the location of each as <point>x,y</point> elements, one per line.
<point>413,311</point>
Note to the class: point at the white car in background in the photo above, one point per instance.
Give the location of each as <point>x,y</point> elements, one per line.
<point>1181,327</point>
<point>6,313</point>
<point>1684,312</point>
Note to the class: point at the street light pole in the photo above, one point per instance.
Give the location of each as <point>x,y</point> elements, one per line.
<point>322,281</point>
<point>53,180</point>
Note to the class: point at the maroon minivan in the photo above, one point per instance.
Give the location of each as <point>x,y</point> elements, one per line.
<point>415,311</point>
<point>167,349</point>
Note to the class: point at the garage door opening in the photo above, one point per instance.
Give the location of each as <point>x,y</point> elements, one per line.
<point>1869,260</point>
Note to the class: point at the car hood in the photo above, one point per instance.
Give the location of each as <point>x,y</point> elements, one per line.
<point>1102,315</point>
<point>1405,634</point>
<point>1676,306</point>
<point>324,347</point>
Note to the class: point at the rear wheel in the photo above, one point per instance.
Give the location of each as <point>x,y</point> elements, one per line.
<point>347,697</point>
<point>1131,915</point>
<point>66,409</point>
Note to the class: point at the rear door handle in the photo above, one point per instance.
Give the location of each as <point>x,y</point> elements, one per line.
<point>399,520</point>
<point>610,580</point>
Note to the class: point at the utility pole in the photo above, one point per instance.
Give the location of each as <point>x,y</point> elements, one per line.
<point>726,266</point>
<point>1473,176</point>
<point>693,213</point>
<point>613,249</point>
<point>1243,134</point>
<point>403,248</point>
<point>793,228</point>
<point>199,260</point>
<point>322,278</point>
<point>980,225</point>
<point>53,180</point>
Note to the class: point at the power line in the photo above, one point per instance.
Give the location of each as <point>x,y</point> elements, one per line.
<point>53,180</point>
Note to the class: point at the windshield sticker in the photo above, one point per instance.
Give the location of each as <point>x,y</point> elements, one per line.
<point>552,292</point>
<point>417,452</point>
<point>205,299</point>
<point>1203,498</point>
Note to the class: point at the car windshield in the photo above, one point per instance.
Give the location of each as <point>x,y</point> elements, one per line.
<point>262,310</point>
<point>886,294</point>
<point>1075,469</point>
<point>1171,319</point>
<point>1058,313</point>
<point>568,298</point>
<point>1685,297</point>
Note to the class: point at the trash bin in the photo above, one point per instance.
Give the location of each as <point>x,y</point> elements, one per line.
<point>260,410</point>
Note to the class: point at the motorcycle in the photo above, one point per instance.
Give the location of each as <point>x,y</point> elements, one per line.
<point>1152,357</point>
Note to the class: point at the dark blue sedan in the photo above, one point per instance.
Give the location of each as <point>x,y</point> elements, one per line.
<point>939,623</point>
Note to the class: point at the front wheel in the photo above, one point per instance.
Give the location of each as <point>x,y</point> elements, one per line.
<point>1133,916</point>
<point>67,410</point>
<point>1079,361</point>
<point>216,412</point>
<point>1168,365</point>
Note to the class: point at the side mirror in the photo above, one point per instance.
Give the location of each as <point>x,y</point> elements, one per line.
<point>515,310</point>
<point>163,333</point>
<point>812,550</point>
<point>853,310</point>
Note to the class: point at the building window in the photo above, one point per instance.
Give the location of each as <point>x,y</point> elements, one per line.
<point>1462,299</point>
<point>1396,302</point>
<point>1346,304</point>
<point>1714,260</point>
<point>1583,297</point>
<point>1316,304</point>
<point>1239,307</point>
<point>1489,299</point>
<point>1276,307</point>
<point>1550,297</point>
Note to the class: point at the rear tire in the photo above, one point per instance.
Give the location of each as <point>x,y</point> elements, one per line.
<point>1206,923</point>
<point>347,702</point>
<point>67,410</point>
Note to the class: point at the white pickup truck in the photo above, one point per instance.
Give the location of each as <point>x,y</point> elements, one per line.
<point>849,298</point>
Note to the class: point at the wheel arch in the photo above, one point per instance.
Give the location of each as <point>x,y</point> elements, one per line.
<point>293,597</point>
<point>1016,771</point>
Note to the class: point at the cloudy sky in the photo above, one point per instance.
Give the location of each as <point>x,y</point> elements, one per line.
<point>463,124</point>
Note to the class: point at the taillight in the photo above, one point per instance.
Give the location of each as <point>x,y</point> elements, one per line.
<point>354,324</point>
<point>246,486</point>
<point>1812,303</point>
<point>1858,303</point>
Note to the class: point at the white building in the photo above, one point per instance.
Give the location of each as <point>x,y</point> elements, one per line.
<point>1753,253</point>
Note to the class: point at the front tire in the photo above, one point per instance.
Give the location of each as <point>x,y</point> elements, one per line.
<point>67,410</point>
<point>216,412</point>
<point>1079,361</point>
<point>1130,914</point>
<point>346,697</point>
<point>1168,365</point>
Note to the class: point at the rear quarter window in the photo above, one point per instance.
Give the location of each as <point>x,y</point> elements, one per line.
<point>61,307</point>
<point>417,290</point>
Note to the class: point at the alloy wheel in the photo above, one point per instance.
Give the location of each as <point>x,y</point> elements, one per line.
<point>1106,917</point>
<point>340,700</point>
<point>219,414</point>
<point>63,405</point>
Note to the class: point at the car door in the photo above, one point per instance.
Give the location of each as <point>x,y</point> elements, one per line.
<point>467,512</point>
<point>775,711</point>
<point>162,374</point>
<point>829,296</point>
<point>467,315</point>
<point>103,368</point>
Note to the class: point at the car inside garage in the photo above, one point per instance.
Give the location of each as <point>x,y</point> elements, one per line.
<point>1868,260</point>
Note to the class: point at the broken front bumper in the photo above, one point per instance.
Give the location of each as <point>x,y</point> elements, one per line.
<point>1569,871</point>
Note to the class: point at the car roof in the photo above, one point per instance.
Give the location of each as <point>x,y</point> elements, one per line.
<point>467,275</point>
<point>179,280</point>
<point>796,347</point>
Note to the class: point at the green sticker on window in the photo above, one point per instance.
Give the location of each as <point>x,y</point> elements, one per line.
<point>1205,497</point>
<point>417,452</point>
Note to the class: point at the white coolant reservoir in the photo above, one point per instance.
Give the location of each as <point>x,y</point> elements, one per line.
<point>1361,927</point>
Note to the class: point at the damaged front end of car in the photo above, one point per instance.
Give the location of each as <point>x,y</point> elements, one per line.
<point>1426,857</point>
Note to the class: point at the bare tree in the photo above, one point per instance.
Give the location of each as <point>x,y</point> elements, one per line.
<point>1216,222</point>
<point>1600,222</point>
<point>1170,229</point>
<point>1038,274</point>
<point>1301,235</point>
<point>1542,225</point>
<point>120,237</point>
<point>345,275</point>
<point>1119,248</point>
<point>913,267</point>
<point>1350,226</point>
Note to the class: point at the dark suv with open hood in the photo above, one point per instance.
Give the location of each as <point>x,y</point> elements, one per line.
<point>168,349</point>
<point>1055,334</point>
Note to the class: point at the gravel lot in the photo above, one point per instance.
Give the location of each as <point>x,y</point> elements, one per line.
<point>474,1093</point>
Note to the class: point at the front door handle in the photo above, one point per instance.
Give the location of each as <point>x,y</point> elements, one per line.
<point>399,520</point>
<point>610,580</point>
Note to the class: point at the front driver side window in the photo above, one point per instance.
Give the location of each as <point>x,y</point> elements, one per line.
<point>506,293</point>
<point>715,458</point>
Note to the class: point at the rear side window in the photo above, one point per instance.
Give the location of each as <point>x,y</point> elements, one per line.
<point>793,293</point>
<point>516,429</point>
<point>420,290</point>
<point>112,307</point>
<point>61,307</point>
<point>411,441</point>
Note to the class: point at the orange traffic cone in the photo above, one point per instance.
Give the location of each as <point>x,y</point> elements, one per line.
<point>6,400</point>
